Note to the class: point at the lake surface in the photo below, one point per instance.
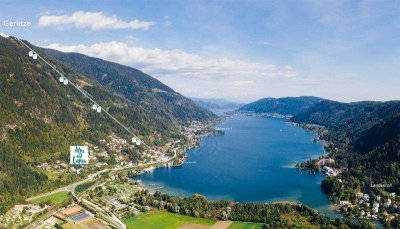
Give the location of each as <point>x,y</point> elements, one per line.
<point>253,161</point>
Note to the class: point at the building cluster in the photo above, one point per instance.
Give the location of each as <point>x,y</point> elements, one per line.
<point>115,196</point>
<point>74,216</point>
<point>375,208</point>
<point>114,143</point>
<point>20,214</point>
<point>98,157</point>
<point>330,171</point>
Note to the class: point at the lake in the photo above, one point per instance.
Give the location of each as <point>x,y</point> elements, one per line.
<point>253,161</point>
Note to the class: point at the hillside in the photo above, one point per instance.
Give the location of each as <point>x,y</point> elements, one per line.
<point>365,138</point>
<point>171,108</point>
<point>282,106</point>
<point>40,118</point>
<point>351,118</point>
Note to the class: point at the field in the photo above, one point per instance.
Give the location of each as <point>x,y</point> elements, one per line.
<point>298,221</point>
<point>93,223</point>
<point>56,198</point>
<point>163,219</point>
<point>245,225</point>
<point>73,225</point>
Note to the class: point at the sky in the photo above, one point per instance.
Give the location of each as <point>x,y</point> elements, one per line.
<point>237,50</point>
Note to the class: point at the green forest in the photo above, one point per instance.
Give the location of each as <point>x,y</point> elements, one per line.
<point>274,215</point>
<point>40,118</point>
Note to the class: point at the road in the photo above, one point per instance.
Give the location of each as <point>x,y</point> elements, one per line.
<point>91,177</point>
<point>69,187</point>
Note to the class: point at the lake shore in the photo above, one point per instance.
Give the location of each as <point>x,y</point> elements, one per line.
<point>194,155</point>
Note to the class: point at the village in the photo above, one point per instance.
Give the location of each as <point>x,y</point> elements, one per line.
<point>100,200</point>
<point>364,205</point>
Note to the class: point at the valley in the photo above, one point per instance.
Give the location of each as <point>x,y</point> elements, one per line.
<point>40,118</point>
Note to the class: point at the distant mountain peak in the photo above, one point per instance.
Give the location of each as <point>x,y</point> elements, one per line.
<point>283,106</point>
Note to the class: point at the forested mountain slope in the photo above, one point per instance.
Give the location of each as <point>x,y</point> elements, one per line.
<point>351,118</point>
<point>367,135</point>
<point>283,106</point>
<point>141,89</point>
<point>40,118</point>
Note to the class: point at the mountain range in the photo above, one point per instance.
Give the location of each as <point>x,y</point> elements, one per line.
<point>363,137</point>
<point>282,106</point>
<point>40,117</point>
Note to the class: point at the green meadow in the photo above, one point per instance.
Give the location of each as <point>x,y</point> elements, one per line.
<point>245,225</point>
<point>163,219</point>
<point>56,198</point>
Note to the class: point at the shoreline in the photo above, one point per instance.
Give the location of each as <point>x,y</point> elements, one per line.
<point>330,204</point>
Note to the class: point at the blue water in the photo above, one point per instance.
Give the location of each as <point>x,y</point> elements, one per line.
<point>252,162</point>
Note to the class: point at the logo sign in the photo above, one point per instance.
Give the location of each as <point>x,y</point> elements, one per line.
<point>79,155</point>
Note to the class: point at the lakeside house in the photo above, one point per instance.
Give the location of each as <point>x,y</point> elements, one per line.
<point>375,208</point>
<point>330,171</point>
<point>343,203</point>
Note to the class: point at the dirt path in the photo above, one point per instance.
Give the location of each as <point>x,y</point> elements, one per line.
<point>217,225</point>
<point>193,226</point>
<point>221,225</point>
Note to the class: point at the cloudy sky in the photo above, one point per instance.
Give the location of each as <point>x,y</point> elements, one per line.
<point>237,50</point>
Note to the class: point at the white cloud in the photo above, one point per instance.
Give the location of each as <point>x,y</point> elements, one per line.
<point>92,20</point>
<point>199,76</point>
<point>242,82</point>
<point>4,35</point>
<point>177,62</point>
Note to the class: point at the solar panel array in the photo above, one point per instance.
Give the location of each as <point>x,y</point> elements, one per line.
<point>79,216</point>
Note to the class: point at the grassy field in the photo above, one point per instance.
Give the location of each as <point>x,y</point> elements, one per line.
<point>245,225</point>
<point>298,221</point>
<point>73,225</point>
<point>56,198</point>
<point>163,219</point>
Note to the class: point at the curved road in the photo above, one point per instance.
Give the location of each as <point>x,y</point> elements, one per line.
<point>91,177</point>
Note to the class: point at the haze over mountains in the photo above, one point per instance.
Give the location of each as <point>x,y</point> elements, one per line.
<point>218,106</point>
<point>40,118</point>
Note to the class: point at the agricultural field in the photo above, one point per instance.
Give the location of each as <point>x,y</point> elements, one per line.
<point>56,198</point>
<point>164,219</point>
<point>245,225</point>
<point>91,223</point>
<point>73,225</point>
